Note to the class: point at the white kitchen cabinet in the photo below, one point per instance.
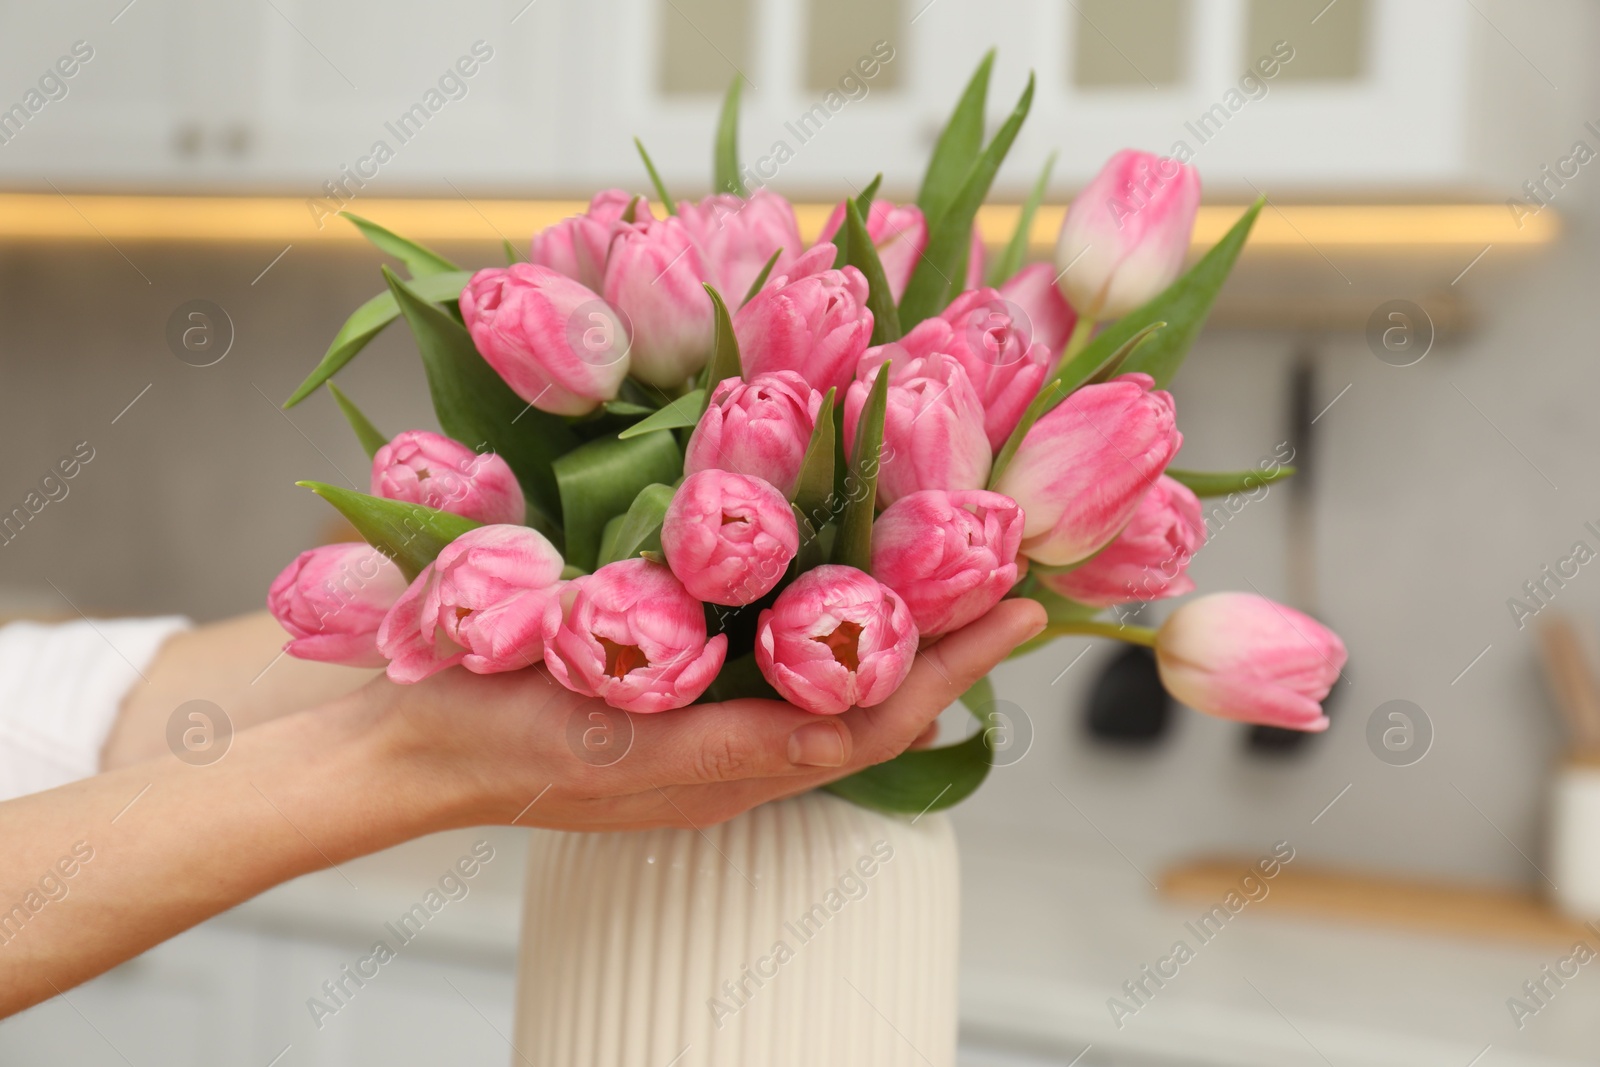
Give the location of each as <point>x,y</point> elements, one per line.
<point>1423,95</point>
<point>288,94</point>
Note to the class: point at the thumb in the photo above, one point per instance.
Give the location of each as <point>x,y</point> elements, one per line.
<point>941,674</point>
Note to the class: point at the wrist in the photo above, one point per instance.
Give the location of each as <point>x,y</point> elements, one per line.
<point>424,783</point>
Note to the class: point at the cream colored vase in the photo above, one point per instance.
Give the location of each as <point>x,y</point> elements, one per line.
<point>805,932</point>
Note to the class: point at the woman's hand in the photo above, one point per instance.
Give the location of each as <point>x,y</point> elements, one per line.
<point>518,748</point>
<point>161,845</point>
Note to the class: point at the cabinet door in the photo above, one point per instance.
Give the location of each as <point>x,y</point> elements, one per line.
<point>1376,91</point>
<point>111,118</point>
<point>827,100</point>
<point>408,96</point>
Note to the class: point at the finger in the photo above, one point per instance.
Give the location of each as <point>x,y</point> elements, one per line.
<point>733,741</point>
<point>927,737</point>
<point>941,674</point>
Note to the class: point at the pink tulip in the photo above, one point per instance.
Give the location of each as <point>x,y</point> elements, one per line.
<point>577,246</point>
<point>1033,289</point>
<point>898,232</point>
<point>480,604</point>
<point>1085,465</point>
<point>951,556</point>
<point>1126,234</point>
<point>816,324</point>
<point>736,237</point>
<point>759,427</point>
<point>933,432</point>
<point>431,469</point>
<point>993,342</point>
<point>557,345</point>
<point>1241,656</point>
<point>654,279</point>
<point>331,601</point>
<point>728,537</point>
<point>836,638</point>
<point>632,635</point>
<point>1148,560</point>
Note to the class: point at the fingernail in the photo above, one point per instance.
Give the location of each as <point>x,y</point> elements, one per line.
<point>817,744</point>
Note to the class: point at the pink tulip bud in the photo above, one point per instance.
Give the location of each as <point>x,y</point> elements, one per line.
<point>992,339</point>
<point>736,237</point>
<point>429,468</point>
<point>557,345</point>
<point>760,428</point>
<point>728,537</point>
<point>1148,560</point>
<point>815,324</point>
<point>1033,289</point>
<point>577,246</point>
<point>654,280</point>
<point>836,638</point>
<point>332,599</point>
<point>1126,234</point>
<point>952,556</point>
<point>933,436</point>
<point>632,635</point>
<point>480,604</point>
<point>1084,467</point>
<point>899,233</point>
<point>1241,656</point>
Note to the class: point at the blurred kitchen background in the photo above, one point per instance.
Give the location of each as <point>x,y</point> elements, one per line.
<point>1449,465</point>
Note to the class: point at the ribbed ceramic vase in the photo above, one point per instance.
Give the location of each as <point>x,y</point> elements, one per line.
<point>805,932</point>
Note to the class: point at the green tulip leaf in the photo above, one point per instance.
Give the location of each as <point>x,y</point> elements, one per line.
<point>602,479</point>
<point>958,146</point>
<point>513,256</point>
<point>942,265</point>
<point>979,699</point>
<point>1226,483</point>
<point>410,534</point>
<point>724,362</point>
<point>639,528</point>
<point>761,279</point>
<point>655,178</point>
<point>922,780</point>
<point>1057,390</point>
<point>1044,401</point>
<point>841,236</point>
<point>626,407</point>
<point>813,493</point>
<point>370,436</point>
<point>1184,305</point>
<point>420,261</point>
<point>854,545</point>
<point>369,320</point>
<point>725,159</point>
<point>684,411</point>
<point>862,255</point>
<point>864,258</point>
<point>475,405</point>
<point>1009,261</point>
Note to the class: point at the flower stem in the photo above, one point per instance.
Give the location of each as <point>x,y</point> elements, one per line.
<point>1134,635</point>
<point>1082,331</point>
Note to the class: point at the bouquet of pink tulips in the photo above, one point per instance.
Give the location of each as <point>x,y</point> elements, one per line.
<point>686,457</point>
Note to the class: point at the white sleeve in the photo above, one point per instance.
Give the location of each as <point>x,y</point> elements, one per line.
<point>61,687</point>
